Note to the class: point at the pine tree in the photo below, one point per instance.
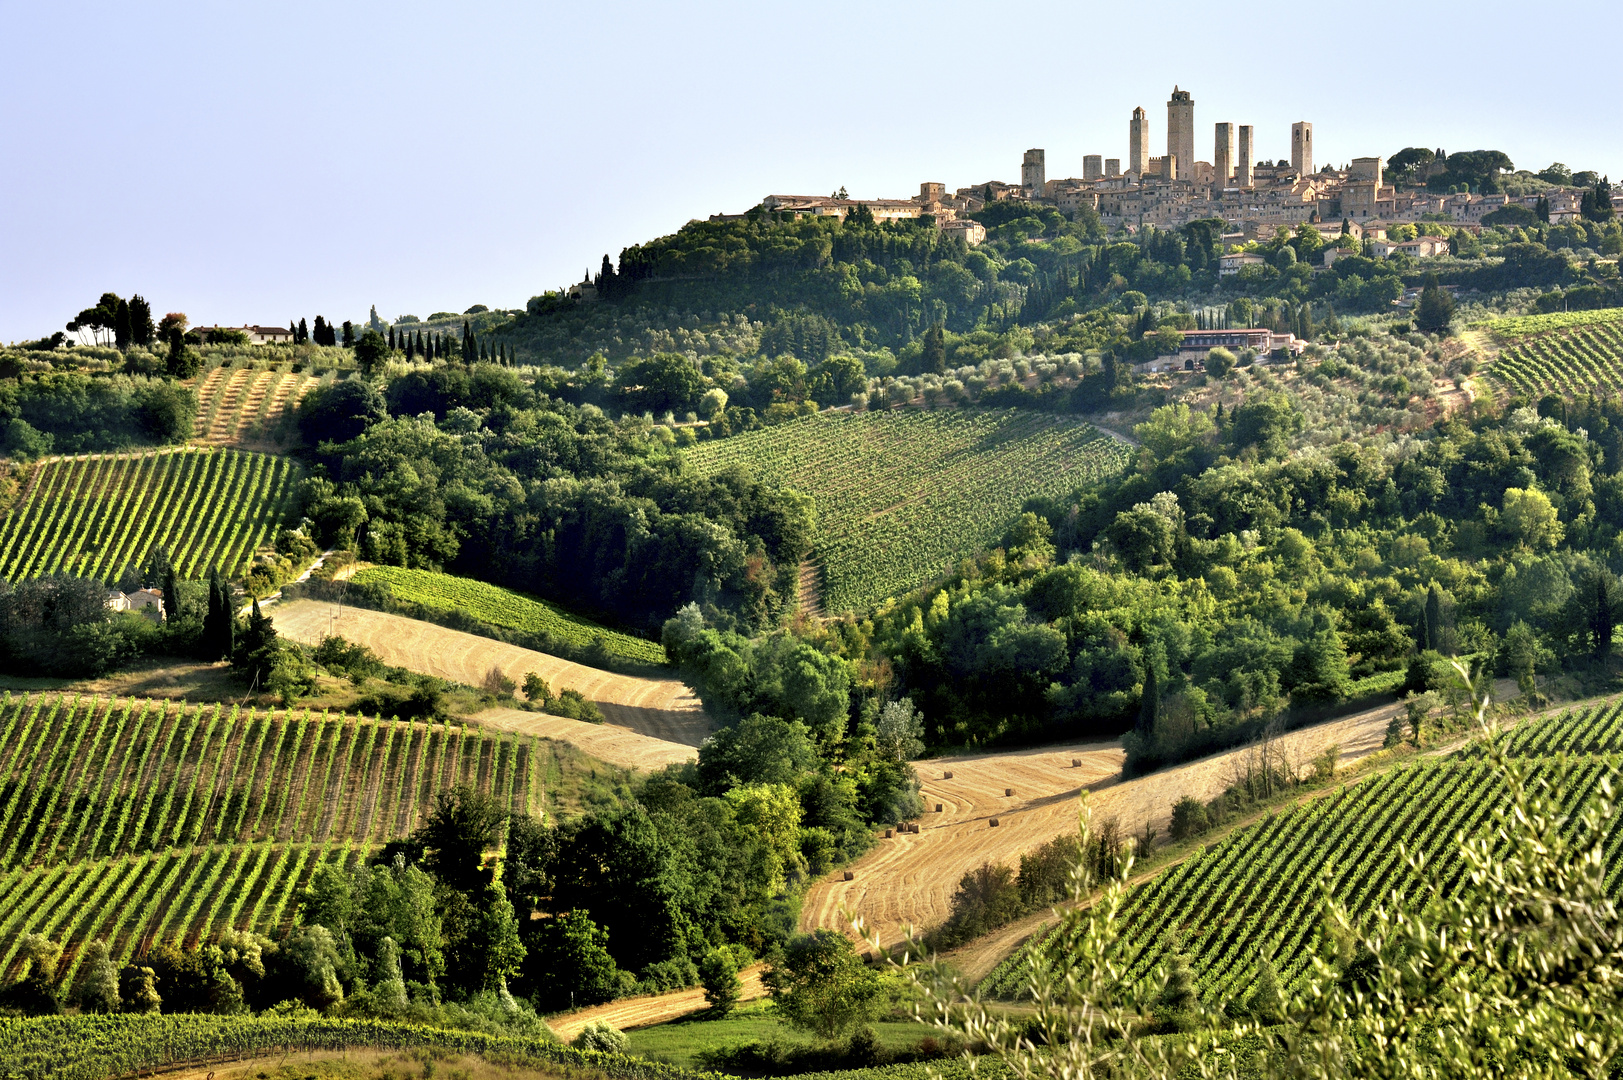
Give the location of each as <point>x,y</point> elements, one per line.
<point>141,328</point>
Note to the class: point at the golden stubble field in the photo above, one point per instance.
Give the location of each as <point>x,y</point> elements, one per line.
<point>909,879</point>
<point>649,722</point>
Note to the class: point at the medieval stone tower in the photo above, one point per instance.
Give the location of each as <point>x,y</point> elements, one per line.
<point>1033,174</point>
<point>1181,131</point>
<point>1242,169</point>
<point>1138,143</point>
<point>1302,147</point>
<point>1223,155</point>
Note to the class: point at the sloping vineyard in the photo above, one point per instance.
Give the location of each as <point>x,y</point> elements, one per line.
<point>902,495</point>
<point>1255,893</point>
<point>95,514</point>
<point>141,821</point>
<point>1567,353</point>
<point>236,404</point>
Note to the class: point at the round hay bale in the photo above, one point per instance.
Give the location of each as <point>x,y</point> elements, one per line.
<point>938,808</point>
<point>887,834</point>
<point>994,823</point>
<point>1008,791</point>
<point>1076,763</point>
<point>946,776</point>
<point>849,876</point>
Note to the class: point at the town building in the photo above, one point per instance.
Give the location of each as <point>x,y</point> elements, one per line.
<point>1181,134</point>
<point>1033,174</point>
<point>257,335</point>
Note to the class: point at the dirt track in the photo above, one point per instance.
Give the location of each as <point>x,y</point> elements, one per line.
<point>661,710</point>
<point>909,879</point>
<point>657,1009</point>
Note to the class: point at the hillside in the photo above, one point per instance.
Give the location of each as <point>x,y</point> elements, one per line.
<point>95,514</point>
<point>141,821</point>
<point>1565,353</point>
<point>1254,893</point>
<point>245,404</point>
<point>505,610</point>
<point>902,495</point>
<point>663,711</point>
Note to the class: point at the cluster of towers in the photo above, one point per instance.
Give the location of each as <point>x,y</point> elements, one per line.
<point>1232,160</point>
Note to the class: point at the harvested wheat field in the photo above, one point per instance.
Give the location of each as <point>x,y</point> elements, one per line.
<point>661,709</point>
<point>606,742</point>
<point>909,878</point>
<point>655,1009</point>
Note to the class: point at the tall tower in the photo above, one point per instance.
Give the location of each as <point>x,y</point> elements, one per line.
<point>1223,155</point>
<point>1242,170</point>
<point>1181,131</point>
<point>1032,174</point>
<point>1138,143</point>
<point>1302,147</point>
<point>1093,167</point>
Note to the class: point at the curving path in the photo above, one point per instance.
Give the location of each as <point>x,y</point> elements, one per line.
<point>909,879</point>
<point>658,710</point>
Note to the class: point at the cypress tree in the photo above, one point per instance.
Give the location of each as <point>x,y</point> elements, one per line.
<point>1434,618</point>
<point>303,333</point>
<point>212,630</point>
<point>121,326</point>
<point>1149,708</point>
<point>391,339</point>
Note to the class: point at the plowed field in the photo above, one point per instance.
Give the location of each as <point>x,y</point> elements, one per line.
<point>655,1009</point>
<point>662,710</point>
<point>909,879</point>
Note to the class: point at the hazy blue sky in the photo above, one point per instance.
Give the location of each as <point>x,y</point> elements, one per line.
<point>255,163</point>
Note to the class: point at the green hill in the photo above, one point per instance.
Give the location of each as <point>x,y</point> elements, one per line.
<point>1255,893</point>
<point>902,495</point>
<point>95,514</point>
<point>142,821</point>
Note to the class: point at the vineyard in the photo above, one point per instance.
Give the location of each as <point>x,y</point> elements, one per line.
<point>139,821</point>
<point>1567,352</point>
<point>902,495</point>
<point>238,404</point>
<point>93,515</point>
<point>508,610</point>
<point>1255,893</point>
<point>92,1047</point>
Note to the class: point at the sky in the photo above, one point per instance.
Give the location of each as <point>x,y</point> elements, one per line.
<point>256,163</point>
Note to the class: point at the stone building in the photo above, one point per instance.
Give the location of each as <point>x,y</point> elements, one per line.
<point>1092,167</point>
<point>1033,174</point>
<point>1302,148</point>
<point>1243,177</point>
<point>1181,132</point>
<point>1138,143</point>
<point>1223,155</point>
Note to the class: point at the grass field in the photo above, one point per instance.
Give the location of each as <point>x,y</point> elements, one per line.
<point>682,1041</point>
<point>1254,893</point>
<point>140,821</point>
<point>509,610</point>
<point>902,495</point>
<point>95,514</point>
<point>1569,352</point>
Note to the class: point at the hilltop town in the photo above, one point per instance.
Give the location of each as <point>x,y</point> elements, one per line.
<point>1254,196</point>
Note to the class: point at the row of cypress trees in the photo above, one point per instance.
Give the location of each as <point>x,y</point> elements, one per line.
<point>430,346</point>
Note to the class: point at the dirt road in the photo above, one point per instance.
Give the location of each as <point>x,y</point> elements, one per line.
<point>909,879</point>
<point>656,1009</point>
<point>659,709</point>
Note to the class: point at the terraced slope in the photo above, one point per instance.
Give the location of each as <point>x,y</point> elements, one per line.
<point>238,404</point>
<point>138,820</point>
<point>902,495</point>
<point>1255,892</point>
<point>94,514</point>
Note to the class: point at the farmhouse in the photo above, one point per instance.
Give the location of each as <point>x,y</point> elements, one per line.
<point>148,602</point>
